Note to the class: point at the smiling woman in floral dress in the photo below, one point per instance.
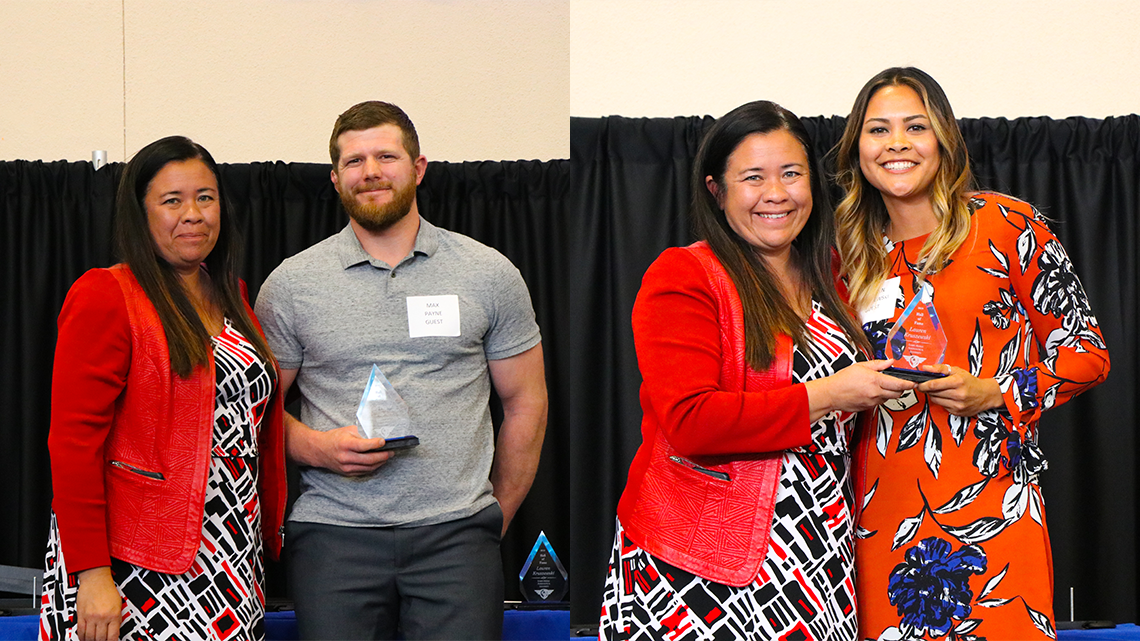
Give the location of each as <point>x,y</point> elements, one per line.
<point>952,541</point>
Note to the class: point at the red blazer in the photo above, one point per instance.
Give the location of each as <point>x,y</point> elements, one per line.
<point>120,417</point>
<point>702,486</point>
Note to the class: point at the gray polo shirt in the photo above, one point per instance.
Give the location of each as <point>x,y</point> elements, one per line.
<point>332,311</point>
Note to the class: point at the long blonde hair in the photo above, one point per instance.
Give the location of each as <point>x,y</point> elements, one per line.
<point>861,215</point>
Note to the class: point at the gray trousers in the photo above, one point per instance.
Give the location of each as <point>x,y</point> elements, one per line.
<point>442,581</point>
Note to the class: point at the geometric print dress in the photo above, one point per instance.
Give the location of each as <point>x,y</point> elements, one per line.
<point>952,540</point>
<point>221,596</point>
<point>805,586</point>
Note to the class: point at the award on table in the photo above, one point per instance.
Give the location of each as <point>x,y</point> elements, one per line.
<point>917,339</point>
<point>543,579</point>
<point>383,414</point>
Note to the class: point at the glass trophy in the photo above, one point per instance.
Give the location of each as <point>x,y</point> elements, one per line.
<point>917,339</point>
<point>382,413</point>
<point>543,579</point>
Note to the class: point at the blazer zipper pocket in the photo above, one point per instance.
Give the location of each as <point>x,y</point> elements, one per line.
<point>716,474</point>
<point>141,472</point>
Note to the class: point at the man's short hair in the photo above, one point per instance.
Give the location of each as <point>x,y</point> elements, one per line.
<point>374,113</point>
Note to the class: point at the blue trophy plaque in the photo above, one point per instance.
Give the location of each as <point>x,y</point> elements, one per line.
<point>917,339</point>
<point>543,579</point>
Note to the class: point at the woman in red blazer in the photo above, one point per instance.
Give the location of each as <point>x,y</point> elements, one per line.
<point>736,521</point>
<point>166,442</point>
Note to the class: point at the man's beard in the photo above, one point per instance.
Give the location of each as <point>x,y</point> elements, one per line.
<point>380,217</point>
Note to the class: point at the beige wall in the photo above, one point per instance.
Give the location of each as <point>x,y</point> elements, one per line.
<point>993,57</point>
<point>260,80</point>
<point>497,79</point>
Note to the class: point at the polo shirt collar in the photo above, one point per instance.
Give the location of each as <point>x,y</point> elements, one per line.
<point>352,253</point>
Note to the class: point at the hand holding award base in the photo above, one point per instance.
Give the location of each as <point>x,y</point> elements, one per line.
<point>917,339</point>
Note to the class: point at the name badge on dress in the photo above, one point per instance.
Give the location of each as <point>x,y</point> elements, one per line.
<point>883,307</point>
<point>433,315</point>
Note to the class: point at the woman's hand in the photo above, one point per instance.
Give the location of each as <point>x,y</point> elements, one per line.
<point>854,388</point>
<point>960,392</point>
<point>99,606</point>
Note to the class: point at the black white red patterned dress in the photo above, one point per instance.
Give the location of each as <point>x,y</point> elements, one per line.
<point>805,588</point>
<point>222,595</point>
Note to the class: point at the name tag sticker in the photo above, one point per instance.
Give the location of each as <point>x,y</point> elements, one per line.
<point>433,315</point>
<point>883,307</point>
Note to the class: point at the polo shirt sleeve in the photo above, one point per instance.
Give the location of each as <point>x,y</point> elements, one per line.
<point>274,309</point>
<point>513,327</point>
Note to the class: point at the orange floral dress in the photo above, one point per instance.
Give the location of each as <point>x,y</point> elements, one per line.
<point>952,541</point>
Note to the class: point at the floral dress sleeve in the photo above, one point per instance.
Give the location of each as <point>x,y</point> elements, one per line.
<point>1062,350</point>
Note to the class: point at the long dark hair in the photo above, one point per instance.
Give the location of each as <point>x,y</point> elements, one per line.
<point>766,312</point>
<point>186,336</point>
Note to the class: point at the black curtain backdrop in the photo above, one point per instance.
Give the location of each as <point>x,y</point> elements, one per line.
<point>582,233</point>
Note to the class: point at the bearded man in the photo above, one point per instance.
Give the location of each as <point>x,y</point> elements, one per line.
<point>402,540</point>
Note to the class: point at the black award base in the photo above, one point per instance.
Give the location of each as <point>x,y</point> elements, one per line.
<point>916,375</point>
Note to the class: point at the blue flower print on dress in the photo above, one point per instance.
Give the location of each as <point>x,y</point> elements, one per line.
<point>931,588</point>
<point>1022,455</point>
<point>1026,381</point>
<point>1013,446</point>
<point>876,332</point>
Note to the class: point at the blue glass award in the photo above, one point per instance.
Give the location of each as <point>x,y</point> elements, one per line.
<point>917,339</point>
<point>382,413</point>
<point>543,579</point>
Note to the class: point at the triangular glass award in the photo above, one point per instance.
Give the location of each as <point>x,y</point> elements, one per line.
<point>382,413</point>
<point>917,339</point>
<point>543,579</point>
